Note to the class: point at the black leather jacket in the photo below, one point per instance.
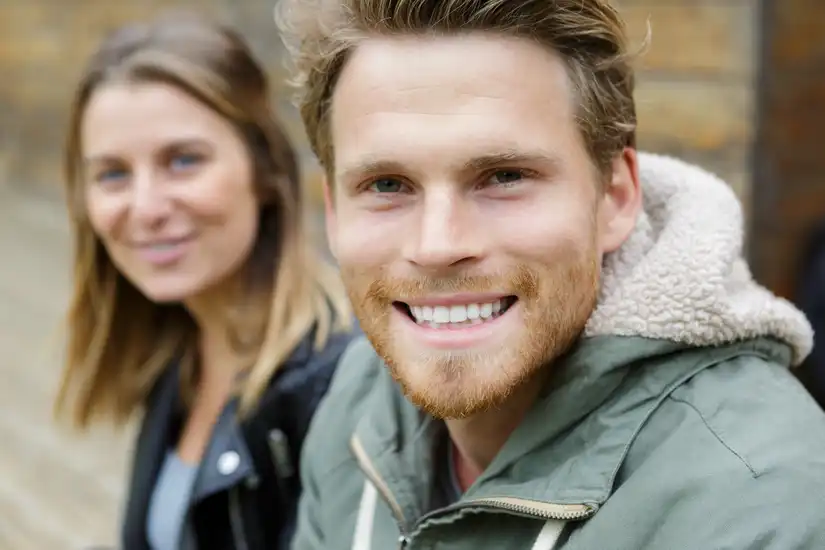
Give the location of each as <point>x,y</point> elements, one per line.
<point>248,483</point>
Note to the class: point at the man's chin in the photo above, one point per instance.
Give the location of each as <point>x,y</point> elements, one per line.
<point>452,406</point>
<point>452,395</point>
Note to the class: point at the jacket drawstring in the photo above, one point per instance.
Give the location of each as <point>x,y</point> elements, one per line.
<point>362,540</point>
<point>549,535</point>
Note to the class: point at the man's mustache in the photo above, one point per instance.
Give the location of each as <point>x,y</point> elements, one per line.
<point>519,282</point>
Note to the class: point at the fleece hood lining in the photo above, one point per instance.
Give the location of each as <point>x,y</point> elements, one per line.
<point>681,276</point>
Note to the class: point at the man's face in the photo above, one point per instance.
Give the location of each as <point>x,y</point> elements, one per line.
<point>465,214</point>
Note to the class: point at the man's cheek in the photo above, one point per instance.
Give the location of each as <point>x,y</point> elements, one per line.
<point>365,246</point>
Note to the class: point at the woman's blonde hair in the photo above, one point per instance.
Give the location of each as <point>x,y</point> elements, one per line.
<point>119,341</point>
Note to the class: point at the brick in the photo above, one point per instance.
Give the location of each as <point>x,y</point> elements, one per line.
<point>804,202</point>
<point>776,172</point>
<point>798,26</point>
<point>788,193</point>
<point>777,256</point>
<point>690,36</point>
<point>780,235</point>
<point>774,262</point>
<point>5,163</point>
<point>795,114</point>
<point>694,115</point>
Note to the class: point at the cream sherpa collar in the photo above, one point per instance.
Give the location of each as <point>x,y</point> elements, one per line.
<point>681,276</point>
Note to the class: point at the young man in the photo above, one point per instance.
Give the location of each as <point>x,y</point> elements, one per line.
<point>565,348</point>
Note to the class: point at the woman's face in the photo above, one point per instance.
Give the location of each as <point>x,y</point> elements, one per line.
<point>168,189</point>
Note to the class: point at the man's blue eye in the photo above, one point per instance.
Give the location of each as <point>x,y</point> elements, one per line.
<point>387,186</point>
<point>504,177</point>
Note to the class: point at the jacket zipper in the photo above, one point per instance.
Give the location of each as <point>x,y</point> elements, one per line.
<point>542,510</point>
<point>236,519</point>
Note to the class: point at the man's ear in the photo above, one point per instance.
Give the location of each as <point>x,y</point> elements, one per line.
<point>330,218</point>
<point>621,203</point>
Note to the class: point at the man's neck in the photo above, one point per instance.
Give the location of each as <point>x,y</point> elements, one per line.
<point>478,439</point>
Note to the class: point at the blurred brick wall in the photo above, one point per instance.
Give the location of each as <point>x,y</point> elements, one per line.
<point>695,95</point>
<point>42,51</point>
<point>789,158</point>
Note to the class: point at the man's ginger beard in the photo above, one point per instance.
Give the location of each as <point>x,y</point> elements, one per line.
<point>555,303</point>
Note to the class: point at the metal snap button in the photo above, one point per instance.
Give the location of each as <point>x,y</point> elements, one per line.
<point>228,462</point>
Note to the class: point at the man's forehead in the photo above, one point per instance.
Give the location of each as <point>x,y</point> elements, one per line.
<point>428,73</point>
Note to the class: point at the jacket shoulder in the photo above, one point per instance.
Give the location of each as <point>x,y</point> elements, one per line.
<point>327,445</point>
<point>309,362</point>
<point>747,411</point>
<point>300,384</point>
<point>734,455</point>
<point>757,411</point>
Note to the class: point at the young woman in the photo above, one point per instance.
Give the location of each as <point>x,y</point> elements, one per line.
<point>197,300</point>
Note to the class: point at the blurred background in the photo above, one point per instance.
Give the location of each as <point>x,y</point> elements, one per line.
<point>737,86</point>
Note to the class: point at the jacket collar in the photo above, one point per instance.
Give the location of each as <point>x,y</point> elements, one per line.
<point>226,462</point>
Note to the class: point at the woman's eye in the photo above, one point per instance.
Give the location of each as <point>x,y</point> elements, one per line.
<point>184,161</point>
<point>111,175</point>
<point>387,185</point>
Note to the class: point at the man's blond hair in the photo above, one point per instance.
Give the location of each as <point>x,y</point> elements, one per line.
<point>589,35</point>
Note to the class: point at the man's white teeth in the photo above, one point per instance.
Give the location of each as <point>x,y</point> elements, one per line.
<point>163,246</point>
<point>467,313</point>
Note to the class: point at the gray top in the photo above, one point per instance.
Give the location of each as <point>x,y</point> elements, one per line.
<point>168,507</point>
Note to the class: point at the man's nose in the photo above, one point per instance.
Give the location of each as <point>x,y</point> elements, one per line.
<point>446,234</point>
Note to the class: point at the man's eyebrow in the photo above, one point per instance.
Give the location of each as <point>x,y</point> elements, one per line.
<point>512,157</point>
<point>376,166</point>
<point>370,167</point>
